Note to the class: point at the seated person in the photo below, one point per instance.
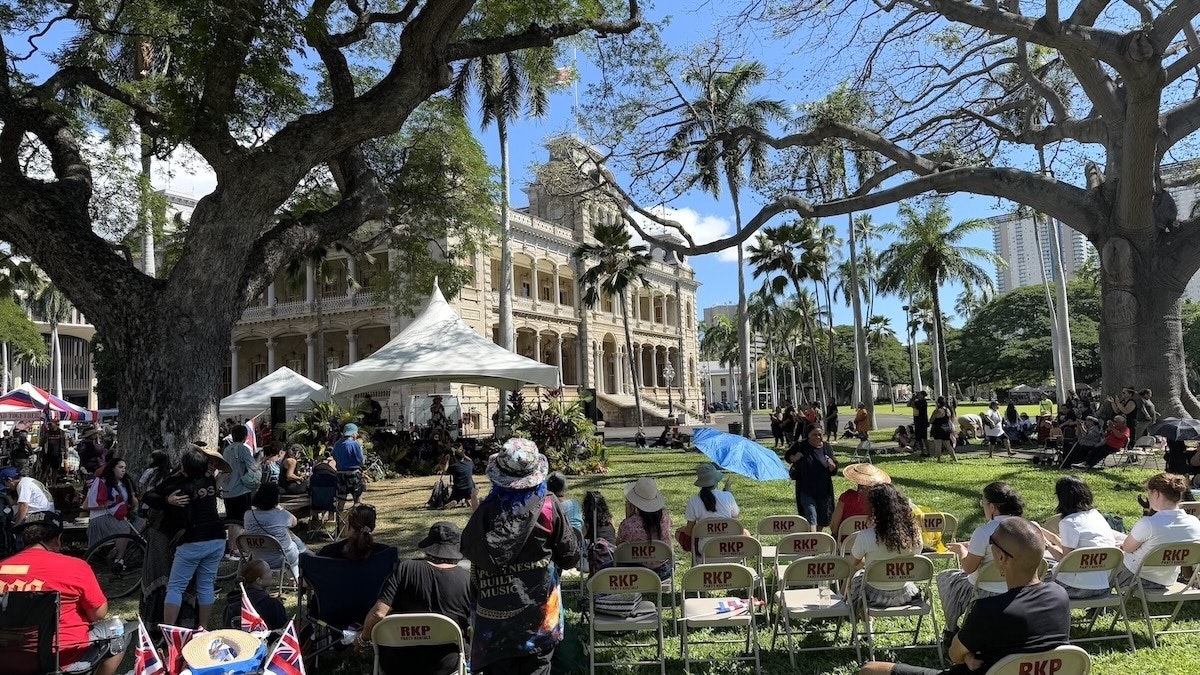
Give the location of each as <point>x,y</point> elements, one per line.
<point>902,438</point>
<point>850,431</point>
<point>358,544</point>
<point>463,490</point>
<point>267,517</point>
<point>894,533</point>
<point>1091,437</point>
<point>434,584</point>
<point>1116,437</point>
<point>1030,617</point>
<point>31,496</point>
<point>663,438</point>
<point>646,518</point>
<point>639,439</point>
<point>1082,526</point>
<point>256,577</point>
<point>1168,525</point>
<point>291,480</point>
<point>556,483</point>
<point>41,565</point>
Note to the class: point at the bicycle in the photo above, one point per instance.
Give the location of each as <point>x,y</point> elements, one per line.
<point>118,559</point>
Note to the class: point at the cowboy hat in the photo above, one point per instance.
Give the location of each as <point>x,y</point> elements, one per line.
<point>707,475</point>
<point>866,475</point>
<point>228,648</point>
<point>213,456</point>
<point>643,493</point>
<point>91,432</point>
<point>519,466</point>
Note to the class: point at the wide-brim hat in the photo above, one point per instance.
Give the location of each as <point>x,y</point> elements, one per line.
<point>644,494</point>
<point>707,475</point>
<point>866,475</point>
<point>91,432</point>
<point>214,456</point>
<point>519,466</point>
<point>198,651</point>
<point>443,541</point>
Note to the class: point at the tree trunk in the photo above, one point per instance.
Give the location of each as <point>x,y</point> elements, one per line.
<point>507,332</point>
<point>862,359</point>
<point>743,317</point>
<point>637,390</point>
<point>1066,358</point>
<point>935,341</point>
<point>832,344</point>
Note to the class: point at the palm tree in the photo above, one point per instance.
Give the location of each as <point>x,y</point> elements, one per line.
<point>618,266</point>
<point>763,318</point>
<point>879,329</point>
<point>970,301</point>
<point>928,253</point>
<point>505,84</point>
<point>51,305</point>
<point>724,103</point>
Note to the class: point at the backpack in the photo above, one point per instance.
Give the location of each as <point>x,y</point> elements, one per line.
<point>439,496</point>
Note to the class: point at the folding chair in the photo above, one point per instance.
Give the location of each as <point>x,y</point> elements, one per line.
<point>418,630</point>
<point>915,569</point>
<point>28,618</point>
<point>739,549</point>
<point>1065,659</point>
<point>796,546</point>
<point>338,594</point>
<point>943,525</point>
<point>719,612</point>
<point>861,452</point>
<point>263,547</point>
<point>847,545</point>
<point>323,498</point>
<point>1145,449</point>
<point>780,526</point>
<point>1190,508</point>
<point>1168,555</point>
<point>806,594</point>
<point>712,527</point>
<point>851,525</point>
<point>1104,559</point>
<point>626,580</point>
<point>650,554</point>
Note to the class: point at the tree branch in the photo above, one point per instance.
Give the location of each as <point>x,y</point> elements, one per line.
<point>1180,122</point>
<point>1037,85</point>
<point>1097,43</point>
<point>1171,20</point>
<point>541,36</point>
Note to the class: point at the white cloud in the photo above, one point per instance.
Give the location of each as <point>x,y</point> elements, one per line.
<point>184,172</point>
<point>704,228</point>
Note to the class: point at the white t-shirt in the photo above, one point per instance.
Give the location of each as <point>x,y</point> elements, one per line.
<point>1165,527</point>
<point>1081,530</point>
<point>726,508</point>
<point>996,429</point>
<point>981,547</point>
<point>868,549</point>
<point>33,493</point>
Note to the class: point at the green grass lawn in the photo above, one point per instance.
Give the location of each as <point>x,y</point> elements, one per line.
<point>949,487</point>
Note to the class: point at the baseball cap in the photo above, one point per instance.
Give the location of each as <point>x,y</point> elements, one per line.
<point>9,473</point>
<point>47,518</point>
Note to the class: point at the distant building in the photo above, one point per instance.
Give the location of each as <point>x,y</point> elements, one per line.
<point>1026,249</point>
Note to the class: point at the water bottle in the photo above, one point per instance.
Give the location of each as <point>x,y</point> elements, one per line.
<point>116,627</point>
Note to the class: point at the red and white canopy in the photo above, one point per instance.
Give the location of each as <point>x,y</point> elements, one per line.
<point>28,402</point>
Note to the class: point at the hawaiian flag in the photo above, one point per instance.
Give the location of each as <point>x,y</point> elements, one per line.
<point>285,659</point>
<point>146,660</point>
<point>176,637</point>
<point>251,437</point>
<point>252,622</point>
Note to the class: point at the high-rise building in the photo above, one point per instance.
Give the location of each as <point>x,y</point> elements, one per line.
<point>1025,246</point>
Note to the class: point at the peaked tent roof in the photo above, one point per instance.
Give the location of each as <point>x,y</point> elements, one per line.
<point>28,402</point>
<point>438,346</point>
<point>299,391</point>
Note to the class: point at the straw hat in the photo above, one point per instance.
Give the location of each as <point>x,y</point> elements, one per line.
<point>866,475</point>
<point>201,651</point>
<point>707,475</point>
<point>643,493</point>
<point>214,456</point>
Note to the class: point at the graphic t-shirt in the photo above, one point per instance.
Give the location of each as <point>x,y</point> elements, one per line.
<point>36,569</point>
<point>1022,620</point>
<point>416,586</point>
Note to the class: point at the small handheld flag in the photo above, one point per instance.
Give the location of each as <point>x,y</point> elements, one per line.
<point>252,621</point>
<point>285,658</point>
<point>146,659</point>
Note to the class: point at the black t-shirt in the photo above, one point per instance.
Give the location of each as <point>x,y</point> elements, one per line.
<point>461,475</point>
<point>338,549</point>
<point>920,411</point>
<point>416,586</point>
<point>1027,619</point>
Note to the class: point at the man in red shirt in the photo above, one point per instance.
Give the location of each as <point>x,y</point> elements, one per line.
<point>40,567</point>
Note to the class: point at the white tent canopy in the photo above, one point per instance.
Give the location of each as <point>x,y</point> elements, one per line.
<point>438,346</point>
<point>299,391</point>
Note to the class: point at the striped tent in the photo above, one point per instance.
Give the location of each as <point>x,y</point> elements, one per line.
<point>28,402</point>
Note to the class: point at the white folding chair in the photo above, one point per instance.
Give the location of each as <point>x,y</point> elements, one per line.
<point>905,569</point>
<point>862,452</point>
<point>939,526</point>
<point>712,527</point>
<point>1104,559</point>
<point>417,630</point>
<point>264,547</point>
<point>1168,555</point>
<point>851,525</point>
<point>778,527</point>
<point>1146,449</point>
<point>740,549</point>
<point>806,594</point>
<point>645,620</point>
<point>1065,659</point>
<point>724,611</point>
<point>796,546</point>
<point>650,554</point>
<point>848,544</point>
<point>1190,508</point>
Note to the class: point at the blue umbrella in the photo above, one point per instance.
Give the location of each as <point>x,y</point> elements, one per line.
<point>740,455</point>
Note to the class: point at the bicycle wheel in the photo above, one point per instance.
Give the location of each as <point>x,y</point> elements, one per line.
<point>227,569</point>
<point>117,562</point>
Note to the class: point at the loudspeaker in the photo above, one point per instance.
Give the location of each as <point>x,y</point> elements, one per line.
<point>278,414</point>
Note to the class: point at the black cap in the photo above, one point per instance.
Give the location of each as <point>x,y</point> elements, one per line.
<point>442,541</point>
<point>46,518</point>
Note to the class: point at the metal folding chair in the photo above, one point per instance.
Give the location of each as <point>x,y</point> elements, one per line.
<point>915,569</point>
<point>795,547</point>
<point>712,527</point>
<point>778,527</point>
<point>626,580</point>
<point>400,631</point>
<point>861,452</point>
<point>740,549</point>
<point>1065,659</point>
<point>649,554</point>
<point>806,594</point>
<point>264,547</point>
<point>943,524</point>
<point>1096,559</point>
<point>1167,555</point>
<point>851,525</point>
<point>724,611</point>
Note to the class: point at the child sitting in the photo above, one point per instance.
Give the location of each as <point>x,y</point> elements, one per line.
<point>256,577</point>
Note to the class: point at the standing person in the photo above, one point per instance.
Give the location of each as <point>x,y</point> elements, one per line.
<point>993,429</point>
<point>812,468</point>
<point>21,453</point>
<point>999,502</point>
<point>111,502</point>
<point>518,540</point>
<point>812,416</point>
<point>893,533</point>
<point>436,584</point>
<point>268,518</point>
<point>1028,616</point>
<point>862,422</point>
<point>157,472</point>
<point>1012,423</point>
<point>556,482</point>
<point>1081,526</point>
<point>789,423</point>
<point>462,480</point>
<point>831,419</point>
<point>646,518</point>
<point>372,411</point>
<point>920,406</point>
<point>348,458</point>
<point>1169,524</point>
<point>942,423</point>
<point>239,489</point>
<point>91,451</point>
<point>1045,406</point>
<point>777,426</point>
<point>52,442</point>
<point>31,496</point>
<point>1147,414</point>
<point>189,502</point>
<point>43,566</point>
<point>853,502</point>
<point>1123,405</point>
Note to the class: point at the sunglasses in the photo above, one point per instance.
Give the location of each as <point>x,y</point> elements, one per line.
<point>992,541</point>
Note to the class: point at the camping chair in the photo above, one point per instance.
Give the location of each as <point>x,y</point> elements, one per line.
<point>741,549</point>
<point>713,527</point>
<point>1096,559</point>
<point>323,499</point>
<point>647,618</point>
<point>707,612</point>
<point>861,452</point>
<point>780,526</point>
<point>1167,555</point>
<point>1051,445</point>
<point>915,569</point>
<point>263,547</point>
<point>417,630</point>
<point>645,554</point>
<point>338,593</point>
<point>806,594</point>
<point>796,546</point>
<point>26,616</point>
<point>1065,659</point>
<point>849,526</point>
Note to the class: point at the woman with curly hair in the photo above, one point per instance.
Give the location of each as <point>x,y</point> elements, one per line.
<point>597,519</point>
<point>893,533</point>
